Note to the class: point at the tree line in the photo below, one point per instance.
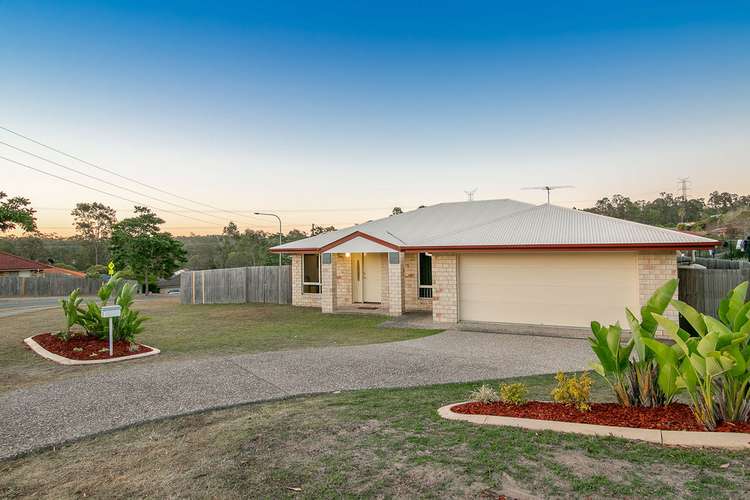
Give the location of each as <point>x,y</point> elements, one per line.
<point>136,244</point>
<point>668,210</point>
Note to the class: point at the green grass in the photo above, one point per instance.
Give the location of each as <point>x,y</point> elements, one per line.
<point>196,331</point>
<point>370,443</point>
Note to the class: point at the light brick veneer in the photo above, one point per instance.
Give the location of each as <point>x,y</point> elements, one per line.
<point>654,268</point>
<point>328,286</point>
<point>396,287</point>
<point>385,284</point>
<point>412,301</point>
<point>299,298</point>
<point>343,279</point>
<point>445,288</point>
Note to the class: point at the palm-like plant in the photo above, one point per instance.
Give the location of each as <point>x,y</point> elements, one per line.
<point>70,308</point>
<point>644,371</point>
<point>614,358</point>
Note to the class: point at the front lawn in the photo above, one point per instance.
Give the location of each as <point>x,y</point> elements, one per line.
<point>187,330</point>
<point>371,443</point>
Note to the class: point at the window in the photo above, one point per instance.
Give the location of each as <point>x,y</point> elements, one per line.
<point>425,276</point>
<point>311,273</point>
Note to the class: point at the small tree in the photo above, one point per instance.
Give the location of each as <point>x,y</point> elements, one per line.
<point>396,211</point>
<point>93,223</point>
<point>16,212</point>
<point>138,243</point>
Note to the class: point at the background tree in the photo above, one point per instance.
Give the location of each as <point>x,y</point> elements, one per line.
<point>93,223</point>
<point>396,211</point>
<point>16,212</point>
<point>315,230</point>
<point>138,243</point>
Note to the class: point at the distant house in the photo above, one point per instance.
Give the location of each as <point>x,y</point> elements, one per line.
<point>13,265</point>
<point>494,261</point>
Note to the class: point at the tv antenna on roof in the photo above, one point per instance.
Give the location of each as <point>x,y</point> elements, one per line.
<point>548,189</point>
<point>470,194</point>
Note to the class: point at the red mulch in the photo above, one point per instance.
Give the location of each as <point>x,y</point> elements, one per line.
<point>90,345</point>
<point>675,417</point>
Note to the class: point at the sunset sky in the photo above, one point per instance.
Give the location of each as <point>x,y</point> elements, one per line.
<point>334,112</point>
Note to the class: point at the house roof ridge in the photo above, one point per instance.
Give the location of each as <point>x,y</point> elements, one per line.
<point>478,225</point>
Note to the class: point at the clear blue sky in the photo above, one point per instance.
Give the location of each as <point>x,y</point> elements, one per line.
<point>333,112</point>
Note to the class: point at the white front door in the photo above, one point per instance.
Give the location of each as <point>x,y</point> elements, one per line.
<point>373,263</point>
<point>356,277</point>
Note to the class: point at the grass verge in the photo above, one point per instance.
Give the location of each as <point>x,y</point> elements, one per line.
<point>370,443</point>
<point>194,331</point>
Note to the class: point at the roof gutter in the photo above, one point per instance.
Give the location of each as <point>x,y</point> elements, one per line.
<point>500,248</point>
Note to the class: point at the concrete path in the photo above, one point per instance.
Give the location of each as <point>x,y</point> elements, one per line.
<point>53,413</point>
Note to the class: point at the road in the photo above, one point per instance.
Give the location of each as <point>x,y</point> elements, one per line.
<point>19,305</point>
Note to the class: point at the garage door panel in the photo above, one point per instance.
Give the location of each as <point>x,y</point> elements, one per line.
<point>551,289</point>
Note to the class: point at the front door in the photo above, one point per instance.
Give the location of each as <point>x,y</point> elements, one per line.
<point>357,277</point>
<point>372,268</point>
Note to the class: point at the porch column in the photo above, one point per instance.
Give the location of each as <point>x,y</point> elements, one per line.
<point>327,283</point>
<point>445,288</point>
<point>395,283</point>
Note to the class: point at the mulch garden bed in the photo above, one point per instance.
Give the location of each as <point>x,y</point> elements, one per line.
<point>86,348</point>
<point>675,417</point>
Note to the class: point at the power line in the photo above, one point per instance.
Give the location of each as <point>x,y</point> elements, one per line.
<point>80,172</point>
<point>120,175</point>
<point>101,191</point>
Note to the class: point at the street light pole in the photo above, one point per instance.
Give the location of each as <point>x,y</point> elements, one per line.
<point>274,215</point>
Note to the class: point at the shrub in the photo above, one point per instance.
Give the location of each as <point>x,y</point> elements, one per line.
<point>514,394</point>
<point>634,381</point>
<point>70,307</point>
<point>125,327</point>
<point>573,390</point>
<point>484,394</point>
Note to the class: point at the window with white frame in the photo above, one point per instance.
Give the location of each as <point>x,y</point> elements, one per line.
<point>311,273</point>
<point>425,276</point>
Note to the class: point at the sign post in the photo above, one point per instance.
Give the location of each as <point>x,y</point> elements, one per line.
<point>111,312</point>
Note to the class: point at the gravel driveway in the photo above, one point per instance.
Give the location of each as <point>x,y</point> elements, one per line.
<point>53,413</point>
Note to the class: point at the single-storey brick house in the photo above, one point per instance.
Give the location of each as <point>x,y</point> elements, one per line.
<point>13,265</point>
<point>494,261</point>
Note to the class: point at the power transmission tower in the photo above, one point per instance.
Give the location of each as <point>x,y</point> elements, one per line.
<point>684,183</point>
<point>470,194</point>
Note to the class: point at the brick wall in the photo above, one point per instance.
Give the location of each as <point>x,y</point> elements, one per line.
<point>299,298</point>
<point>445,288</point>
<point>412,301</point>
<point>654,268</point>
<point>343,279</point>
<point>384,279</point>
<point>328,286</point>
<point>396,287</point>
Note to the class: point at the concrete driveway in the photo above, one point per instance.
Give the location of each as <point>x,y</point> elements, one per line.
<point>53,413</point>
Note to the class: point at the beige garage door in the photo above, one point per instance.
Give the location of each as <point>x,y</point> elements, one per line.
<point>569,289</point>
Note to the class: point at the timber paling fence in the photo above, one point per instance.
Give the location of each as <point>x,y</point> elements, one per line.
<point>46,286</point>
<point>237,285</point>
<point>704,288</point>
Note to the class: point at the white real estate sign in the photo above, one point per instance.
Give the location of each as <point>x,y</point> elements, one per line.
<point>111,312</point>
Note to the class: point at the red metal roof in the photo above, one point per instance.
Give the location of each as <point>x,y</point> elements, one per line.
<point>10,262</point>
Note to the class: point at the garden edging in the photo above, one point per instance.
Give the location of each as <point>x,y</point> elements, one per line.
<point>34,346</point>
<point>730,440</point>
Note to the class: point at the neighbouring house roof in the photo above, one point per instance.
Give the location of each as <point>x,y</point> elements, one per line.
<point>497,225</point>
<point>62,270</point>
<point>10,262</point>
